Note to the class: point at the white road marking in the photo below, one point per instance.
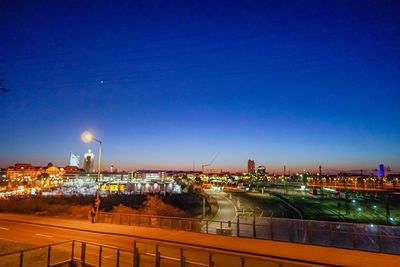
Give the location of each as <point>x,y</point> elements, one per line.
<point>44,235</point>
<point>3,228</point>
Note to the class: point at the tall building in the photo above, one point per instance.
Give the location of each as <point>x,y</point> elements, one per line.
<point>113,169</point>
<point>88,161</point>
<point>261,170</point>
<point>381,171</point>
<point>251,166</point>
<point>73,159</point>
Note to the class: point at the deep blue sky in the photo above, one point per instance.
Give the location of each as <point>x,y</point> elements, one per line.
<point>166,83</point>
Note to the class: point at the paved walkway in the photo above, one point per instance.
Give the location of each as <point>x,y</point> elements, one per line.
<point>326,255</point>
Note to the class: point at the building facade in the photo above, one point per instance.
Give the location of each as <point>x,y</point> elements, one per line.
<point>73,159</point>
<point>251,166</point>
<point>88,161</point>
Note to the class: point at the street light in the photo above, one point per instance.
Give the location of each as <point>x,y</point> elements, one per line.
<point>87,137</point>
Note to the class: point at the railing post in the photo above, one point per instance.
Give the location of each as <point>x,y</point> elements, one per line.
<point>241,262</point>
<point>130,216</point>
<point>210,260</point>
<point>120,218</point>
<point>272,228</point>
<point>182,259</point>
<point>48,255</point>
<point>254,226</point>
<point>238,226</point>
<point>157,256</point>
<point>170,223</point>
<point>100,254</point>
<point>207,226</point>
<point>135,255</point>
<point>72,252</point>
<point>83,253</point>
<point>149,221</point>
<point>118,252</point>
<point>379,239</point>
<point>21,258</point>
<point>354,236</point>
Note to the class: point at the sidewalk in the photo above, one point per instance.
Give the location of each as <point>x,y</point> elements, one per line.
<point>326,255</point>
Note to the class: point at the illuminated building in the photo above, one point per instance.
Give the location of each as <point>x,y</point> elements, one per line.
<point>54,172</point>
<point>261,170</point>
<point>88,161</point>
<point>251,166</point>
<point>73,159</point>
<point>113,169</point>
<point>381,171</point>
<point>71,169</point>
<point>21,172</point>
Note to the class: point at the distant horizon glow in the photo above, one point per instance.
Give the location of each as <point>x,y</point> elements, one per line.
<point>271,169</point>
<point>165,84</point>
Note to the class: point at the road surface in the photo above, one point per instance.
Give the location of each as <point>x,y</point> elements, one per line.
<point>43,230</point>
<point>226,211</point>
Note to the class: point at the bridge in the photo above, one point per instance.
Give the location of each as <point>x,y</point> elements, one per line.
<point>100,243</point>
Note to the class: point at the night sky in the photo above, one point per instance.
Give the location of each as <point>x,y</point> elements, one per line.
<point>166,83</point>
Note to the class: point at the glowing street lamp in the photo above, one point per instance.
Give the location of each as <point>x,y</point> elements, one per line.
<point>87,137</point>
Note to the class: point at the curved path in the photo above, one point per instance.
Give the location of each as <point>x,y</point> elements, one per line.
<point>226,211</point>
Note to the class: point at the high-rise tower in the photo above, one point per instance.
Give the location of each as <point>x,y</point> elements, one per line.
<point>381,171</point>
<point>88,161</point>
<point>251,166</point>
<point>73,159</point>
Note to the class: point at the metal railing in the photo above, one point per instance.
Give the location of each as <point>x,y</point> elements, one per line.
<point>144,253</point>
<point>366,237</point>
<point>57,254</point>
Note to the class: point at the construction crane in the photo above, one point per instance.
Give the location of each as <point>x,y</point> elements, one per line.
<point>210,163</point>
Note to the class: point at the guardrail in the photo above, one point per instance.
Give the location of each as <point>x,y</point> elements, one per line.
<point>81,253</point>
<point>366,237</point>
<point>57,254</point>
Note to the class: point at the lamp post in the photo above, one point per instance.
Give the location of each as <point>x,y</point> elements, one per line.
<point>88,137</point>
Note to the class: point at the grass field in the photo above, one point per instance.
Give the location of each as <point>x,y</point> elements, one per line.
<point>264,205</point>
<point>360,209</point>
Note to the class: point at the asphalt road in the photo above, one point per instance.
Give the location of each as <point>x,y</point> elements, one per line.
<point>42,235</point>
<point>196,249</point>
<point>226,211</point>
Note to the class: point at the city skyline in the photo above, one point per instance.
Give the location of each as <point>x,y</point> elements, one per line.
<point>165,85</point>
<point>277,168</point>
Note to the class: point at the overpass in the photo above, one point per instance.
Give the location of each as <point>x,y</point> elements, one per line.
<point>39,231</point>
